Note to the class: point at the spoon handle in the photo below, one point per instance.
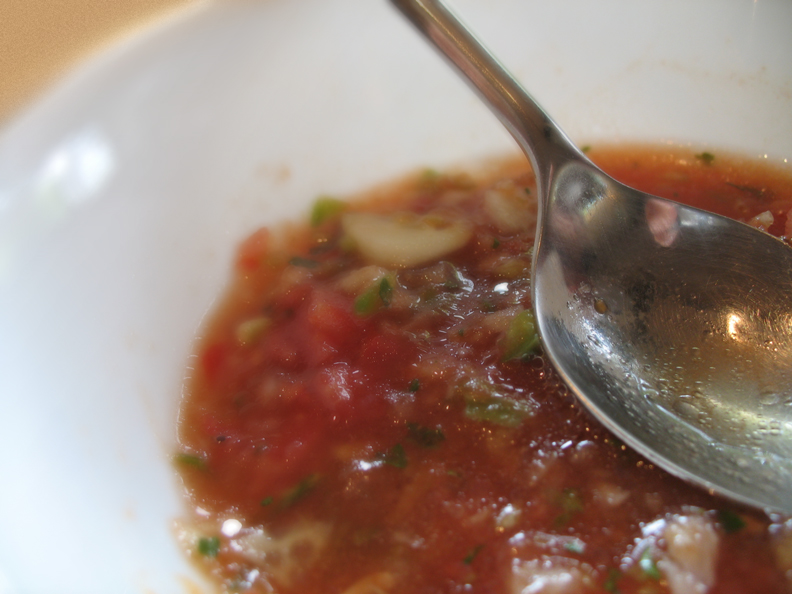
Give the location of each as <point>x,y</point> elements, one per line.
<point>531,127</point>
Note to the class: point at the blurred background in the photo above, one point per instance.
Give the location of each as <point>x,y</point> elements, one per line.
<point>41,40</point>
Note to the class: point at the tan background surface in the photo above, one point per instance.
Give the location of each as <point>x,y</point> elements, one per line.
<point>41,39</point>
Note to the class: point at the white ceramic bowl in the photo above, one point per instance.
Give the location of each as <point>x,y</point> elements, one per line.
<point>123,193</point>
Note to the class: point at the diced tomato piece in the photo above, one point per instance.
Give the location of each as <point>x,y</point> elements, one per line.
<point>332,318</point>
<point>252,250</point>
<point>384,355</point>
<point>213,359</point>
<point>282,349</point>
<point>294,296</point>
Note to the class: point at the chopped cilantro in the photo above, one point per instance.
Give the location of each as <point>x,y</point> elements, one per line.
<point>488,306</point>
<point>648,565</point>
<point>325,208</point>
<point>730,521</point>
<point>385,291</point>
<point>367,302</point>
<point>190,460</point>
<point>495,243</point>
<point>299,491</point>
<point>209,546</point>
<point>500,411</point>
<point>429,294</point>
<point>396,457</point>
<point>484,401</point>
<point>571,500</point>
<point>471,556</point>
<point>303,262</point>
<point>521,338</point>
<point>377,295</point>
<point>527,191</point>
<point>585,148</point>
<point>611,583</point>
<point>267,501</point>
<point>425,436</point>
<point>415,385</point>
<point>706,158</point>
<point>571,503</point>
<point>753,190</point>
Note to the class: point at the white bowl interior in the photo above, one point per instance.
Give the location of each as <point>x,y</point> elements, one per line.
<point>124,192</point>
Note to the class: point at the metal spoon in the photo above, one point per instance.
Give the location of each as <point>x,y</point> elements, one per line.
<point>673,326</point>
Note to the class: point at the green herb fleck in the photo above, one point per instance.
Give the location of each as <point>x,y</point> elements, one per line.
<point>325,208</point>
<point>488,306</point>
<point>471,556</point>
<point>484,401</point>
<point>706,158</point>
<point>571,503</point>
<point>415,385</point>
<point>429,294</point>
<point>430,177</point>
<point>521,338</point>
<point>385,291</point>
<point>502,411</point>
<point>377,295</point>
<point>571,500</point>
<point>730,521</point>
<point>296,493</point>
<point>425,437</point>
<point>190,460</point>
<point>752,190</point>
<point>527,191</point>
<point>576,546</point>
<point>585,148</point>
<point>367,302</point>
<point>267,501</point>
<point>303,262</point>
<point>454,473</point>
<point>648,565</point>
<point>611,583</point>
<point>495,243</point>
<point>250,331</point>
<point>209,546</point>
<point>396,457</point>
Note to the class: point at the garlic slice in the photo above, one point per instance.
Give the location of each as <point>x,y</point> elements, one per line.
<point>403,241</point>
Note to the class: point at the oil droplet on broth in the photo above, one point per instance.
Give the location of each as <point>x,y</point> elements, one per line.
<point>600,306</point>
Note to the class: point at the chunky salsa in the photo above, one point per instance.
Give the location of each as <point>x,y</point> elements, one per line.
<point>370,411</point>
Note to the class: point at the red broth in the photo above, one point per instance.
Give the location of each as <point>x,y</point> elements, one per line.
<point>356,426</point>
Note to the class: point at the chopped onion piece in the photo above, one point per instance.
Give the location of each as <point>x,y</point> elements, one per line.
<point>550,575</point>
<point>692,550</point>
<point>289,555</point>
<point>400,242</point>
<point>762,221</point>
<point>510,208</point>
<point>611,495</point>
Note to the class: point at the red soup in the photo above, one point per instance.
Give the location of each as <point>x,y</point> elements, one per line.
<point>371,411</point>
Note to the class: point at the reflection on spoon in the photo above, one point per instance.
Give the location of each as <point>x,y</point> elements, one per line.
<point>663,221</point>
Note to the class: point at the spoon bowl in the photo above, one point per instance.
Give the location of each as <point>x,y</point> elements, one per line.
<point>672,325</point>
